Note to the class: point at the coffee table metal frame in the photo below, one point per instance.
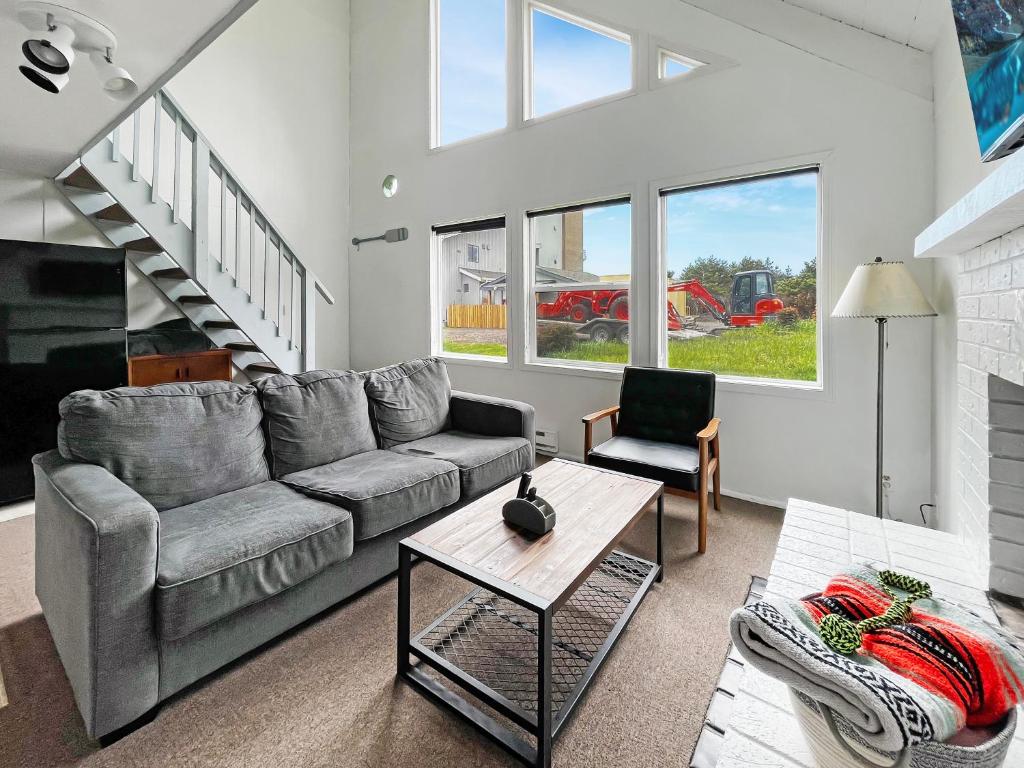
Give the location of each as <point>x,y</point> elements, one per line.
<point>543,724</point>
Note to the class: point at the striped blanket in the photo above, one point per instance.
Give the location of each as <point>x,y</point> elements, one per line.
<point>922,680</point>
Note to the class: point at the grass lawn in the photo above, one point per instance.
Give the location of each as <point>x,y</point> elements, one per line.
<point>475,348</point>
<point>768,351</point>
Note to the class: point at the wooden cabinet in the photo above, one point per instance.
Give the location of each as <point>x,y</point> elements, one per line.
<point>148,370</point>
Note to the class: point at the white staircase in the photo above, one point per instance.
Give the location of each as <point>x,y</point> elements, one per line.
<point>155,187</point>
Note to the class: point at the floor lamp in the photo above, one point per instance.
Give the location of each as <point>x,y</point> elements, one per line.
<point>880,290</point>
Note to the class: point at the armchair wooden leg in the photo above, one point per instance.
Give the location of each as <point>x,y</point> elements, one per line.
<point>702,520</point>
<point>716,478</point>
<point>702,500</point>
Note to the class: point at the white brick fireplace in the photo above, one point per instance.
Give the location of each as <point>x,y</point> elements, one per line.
<point>990,383</point>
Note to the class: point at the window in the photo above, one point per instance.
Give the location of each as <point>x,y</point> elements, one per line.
<point>469,69</point>
<point>472,289</point>
<point>582,257</point>
<point>742,260</point>
<point>672,65</point>
<point>573,62</point>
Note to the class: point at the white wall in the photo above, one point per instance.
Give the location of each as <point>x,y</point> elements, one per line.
<point>958,168</point>
<point>778,103</point>
<point>32,208</point>
<point>271,95</point>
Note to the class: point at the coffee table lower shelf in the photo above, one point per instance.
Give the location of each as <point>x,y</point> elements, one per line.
<point>526,662</point>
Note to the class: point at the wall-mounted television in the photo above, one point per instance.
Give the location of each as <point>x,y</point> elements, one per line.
<point>992,47</point>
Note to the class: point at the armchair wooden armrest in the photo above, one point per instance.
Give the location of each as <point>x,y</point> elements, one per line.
<point>588,427</point>
<point>710,432</point>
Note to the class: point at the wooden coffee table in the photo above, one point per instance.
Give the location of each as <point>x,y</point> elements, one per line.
<point>544,613</point>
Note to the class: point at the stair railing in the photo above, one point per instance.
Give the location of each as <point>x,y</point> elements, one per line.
<point>230,232</point>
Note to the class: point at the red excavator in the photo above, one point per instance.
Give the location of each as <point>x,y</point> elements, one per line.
<point>752,300</point>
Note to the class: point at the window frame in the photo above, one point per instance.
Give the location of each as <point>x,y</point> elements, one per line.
<point>597,26</point>
<point>824,387</point>
<point>528,306</point>
<point>664,55</point>
<point>434,78</point>
<point>436,303</point>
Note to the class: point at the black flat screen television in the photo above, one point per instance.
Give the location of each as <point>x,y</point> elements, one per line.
<point>63,314</point>
<point>992,48</point>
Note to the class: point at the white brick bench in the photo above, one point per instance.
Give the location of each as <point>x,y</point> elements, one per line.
<point>815,542</point>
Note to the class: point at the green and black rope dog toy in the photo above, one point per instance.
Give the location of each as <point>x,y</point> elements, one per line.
<point>844,636</point>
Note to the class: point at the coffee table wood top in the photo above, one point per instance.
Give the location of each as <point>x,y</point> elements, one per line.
<point>595,509</point>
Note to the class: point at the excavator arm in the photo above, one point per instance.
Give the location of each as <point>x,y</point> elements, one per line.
<point>704,296</point>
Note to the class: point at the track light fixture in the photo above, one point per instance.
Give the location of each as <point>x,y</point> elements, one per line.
<point>52,51</point>
<point>62,31</point>
<point>117,81</point>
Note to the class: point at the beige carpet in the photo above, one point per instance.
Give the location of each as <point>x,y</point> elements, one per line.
<point>325,694</point>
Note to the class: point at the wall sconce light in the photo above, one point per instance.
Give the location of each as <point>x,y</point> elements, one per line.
<point>391,236</point>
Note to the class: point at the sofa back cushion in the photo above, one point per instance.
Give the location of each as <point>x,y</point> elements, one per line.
<point>314,418</point>
<point>409,400</point>
<point>174,444</point>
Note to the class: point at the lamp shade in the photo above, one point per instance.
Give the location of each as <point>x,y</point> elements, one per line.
<point>883,289</point>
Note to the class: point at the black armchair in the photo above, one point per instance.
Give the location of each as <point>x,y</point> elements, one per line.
<point>664,428</point>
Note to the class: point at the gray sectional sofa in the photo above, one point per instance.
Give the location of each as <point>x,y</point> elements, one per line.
<point>180,526</point>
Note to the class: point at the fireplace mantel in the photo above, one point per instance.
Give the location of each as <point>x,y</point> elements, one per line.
<point>990,210</point>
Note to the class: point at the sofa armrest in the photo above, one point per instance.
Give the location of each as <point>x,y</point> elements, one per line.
<point>493,416</point>
<point>96,562</point>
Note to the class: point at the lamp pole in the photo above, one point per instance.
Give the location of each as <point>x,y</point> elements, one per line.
<point>880,321</point>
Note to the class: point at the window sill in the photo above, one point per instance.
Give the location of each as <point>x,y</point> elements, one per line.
<point>609,371</point>
<point>806,390</point>
<point>474,360</point>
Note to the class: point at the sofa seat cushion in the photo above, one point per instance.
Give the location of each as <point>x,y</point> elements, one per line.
<point>484,462</point>
<point>224,553</point>
<point>173,444</point>
<point>670,463</point>
<point>314,418</point>
<point>381,489</point>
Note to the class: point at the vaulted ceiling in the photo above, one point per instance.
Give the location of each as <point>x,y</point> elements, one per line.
<point>41,133</point>
<point>915,23</point>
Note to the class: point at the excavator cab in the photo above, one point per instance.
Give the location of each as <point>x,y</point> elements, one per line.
<point>753,297</point>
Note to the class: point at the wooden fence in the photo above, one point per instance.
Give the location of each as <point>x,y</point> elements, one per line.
<point>477,316</point>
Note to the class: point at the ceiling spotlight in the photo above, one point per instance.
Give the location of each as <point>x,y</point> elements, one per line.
<point>52,51</point>
<point>117,81</point>
<point>46,81</point>
<point>58,33</point>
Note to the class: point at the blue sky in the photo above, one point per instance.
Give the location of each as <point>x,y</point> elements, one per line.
<point>472,60</point>
<point>571,65</point>
<point>773,218</point>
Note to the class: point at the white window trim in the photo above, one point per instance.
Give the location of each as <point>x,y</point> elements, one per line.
<point>529,308</point>
<point>594,25</point>
<point>708,61</point>
<point>434,78</point>
<point>824,388</point>
<point>665,56</point>
<point>645,50</point>
<point>436,304</point>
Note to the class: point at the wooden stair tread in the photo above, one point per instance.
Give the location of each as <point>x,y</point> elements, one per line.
<point>241,346</point>
<point>200,299</point>
<point>263,368</point>
<point>222,325</point>
<point>115,213</point>
<point>173,273</point>
<point>144,245</point>
<point>82,179</point>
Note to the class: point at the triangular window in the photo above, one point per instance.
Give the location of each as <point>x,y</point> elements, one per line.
<point>673,65</point>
